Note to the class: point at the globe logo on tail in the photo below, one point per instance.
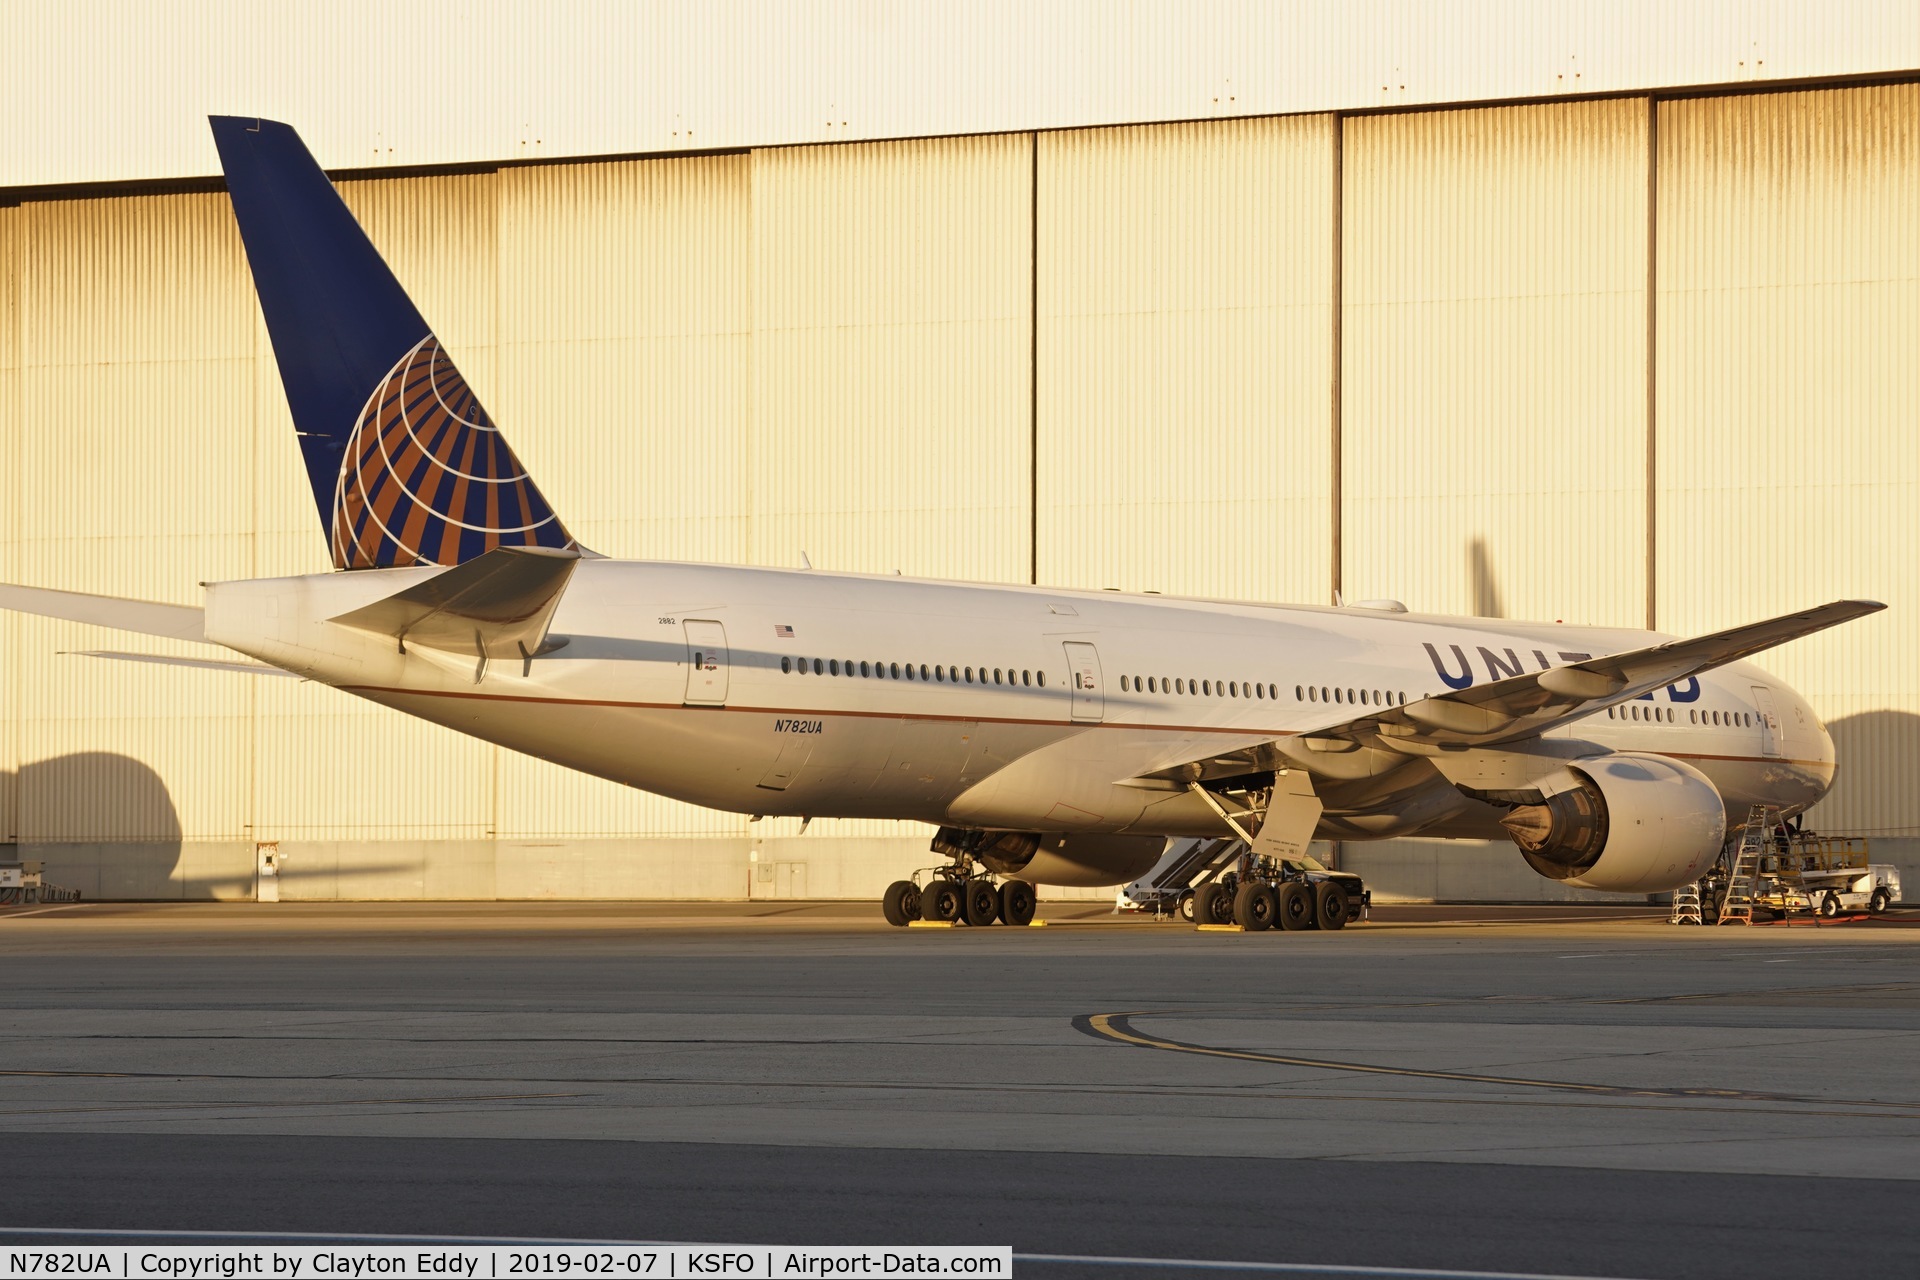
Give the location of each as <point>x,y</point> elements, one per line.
<point>427,478</point>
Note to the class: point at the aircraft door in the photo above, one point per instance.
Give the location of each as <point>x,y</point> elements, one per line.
<point>706,664</point>
<point>1769,722</point>
<point>1083,675</point>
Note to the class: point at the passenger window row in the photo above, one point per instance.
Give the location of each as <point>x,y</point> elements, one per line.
<point>1668,715</point>
<point>1180,685</point>
<point>1353,697</point>
<point>1018,676</point>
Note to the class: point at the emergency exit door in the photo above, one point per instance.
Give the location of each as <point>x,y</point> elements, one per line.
<point>706,664</point>
<point>1083,676</point>
<point>1769,721</point>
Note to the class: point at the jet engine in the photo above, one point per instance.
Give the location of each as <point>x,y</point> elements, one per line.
<point>1084,859</point>
<point>1626,823</point>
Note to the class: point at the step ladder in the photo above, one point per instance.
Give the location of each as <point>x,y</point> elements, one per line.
<point>1744,869</point>
<point>1686,905</point>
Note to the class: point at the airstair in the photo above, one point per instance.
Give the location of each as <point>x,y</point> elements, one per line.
<point>1186,862</point>
<point>1743,871</point>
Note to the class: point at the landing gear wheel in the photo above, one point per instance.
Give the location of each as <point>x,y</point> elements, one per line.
<point>1879,902</point>
<point>1255,906</point>
<point>1296,906</point>
<point>1017,902</point>
<point>900,903</point>
<point>1185,906</point>
<point>940,900</point>
<point>1211,905</point>
<point>981,902</point>
<point>1829,905</point>
<point>1330,905</point>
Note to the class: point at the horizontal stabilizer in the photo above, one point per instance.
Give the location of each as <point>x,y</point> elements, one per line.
<point>143,617</point>
<point>203,664</point>
<point>497,606</point>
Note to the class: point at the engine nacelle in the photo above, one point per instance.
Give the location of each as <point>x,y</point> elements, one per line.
<point>1627,823</point>
<point>1079,858</point>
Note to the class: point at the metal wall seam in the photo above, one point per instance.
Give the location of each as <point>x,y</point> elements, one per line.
<point>890,357</point>
<point>625,333</point>
<point>12,261</point>
<point>626,327</point>
<point>1790,314</point>
<point>1184,322</point>
<point>1494,351</point>
<point>135,373</point>
<point>330,766</point>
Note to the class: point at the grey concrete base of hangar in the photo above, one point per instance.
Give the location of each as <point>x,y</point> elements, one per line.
<point>789,867</point>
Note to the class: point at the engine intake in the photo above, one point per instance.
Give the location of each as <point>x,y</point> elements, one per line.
<point>1627,823</point>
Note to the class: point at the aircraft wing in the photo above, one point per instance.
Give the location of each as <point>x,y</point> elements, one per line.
<point>143,617</point>
<point>1528,705</point>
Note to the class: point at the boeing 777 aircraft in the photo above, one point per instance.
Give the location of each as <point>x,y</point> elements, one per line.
<point>1053,736</point>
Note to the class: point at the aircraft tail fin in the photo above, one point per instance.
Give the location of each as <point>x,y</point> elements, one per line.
<point>405,464</point>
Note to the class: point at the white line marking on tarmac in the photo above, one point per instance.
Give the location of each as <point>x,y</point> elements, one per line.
<point>41,911</point>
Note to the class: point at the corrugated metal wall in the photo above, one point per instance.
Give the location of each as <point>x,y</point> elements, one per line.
<point>13,254</point>
<point>1495,360</point>
<point>1789,445</point>
<point>892,333</point>
<point>833,350</point>
<point>134,445</point>
<point>1185,356</point>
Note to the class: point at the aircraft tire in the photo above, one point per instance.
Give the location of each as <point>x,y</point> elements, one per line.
<point>940,900</point>
<point>1879,902</point>
<point>900,903</point>
<point>1296,906</point>
<point>1254,907</point>
<point>1210,904</point>
<point>1017,902</point>
<point>980,902</point>
<point>1330,905</point>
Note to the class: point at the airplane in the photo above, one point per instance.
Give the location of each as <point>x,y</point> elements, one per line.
<point>1052,736</point>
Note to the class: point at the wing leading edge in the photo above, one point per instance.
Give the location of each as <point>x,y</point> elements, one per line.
<point>1526,706</point>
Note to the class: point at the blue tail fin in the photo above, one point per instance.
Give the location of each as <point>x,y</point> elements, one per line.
<point>406,467</point>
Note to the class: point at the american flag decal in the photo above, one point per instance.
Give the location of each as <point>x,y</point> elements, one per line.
<point>784,633</point>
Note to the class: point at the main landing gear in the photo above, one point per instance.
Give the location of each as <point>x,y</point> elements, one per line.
<point>958,895</point>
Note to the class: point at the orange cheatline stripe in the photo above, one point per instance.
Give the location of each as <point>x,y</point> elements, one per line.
<point>917,715</point>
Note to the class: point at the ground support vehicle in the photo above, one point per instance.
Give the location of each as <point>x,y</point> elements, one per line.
<point>1827,875</point>
<point>1802,871</point>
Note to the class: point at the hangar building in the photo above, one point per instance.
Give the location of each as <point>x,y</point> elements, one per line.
<point>1605,312</point>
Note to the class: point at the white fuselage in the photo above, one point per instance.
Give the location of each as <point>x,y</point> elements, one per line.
<point>990,706</point>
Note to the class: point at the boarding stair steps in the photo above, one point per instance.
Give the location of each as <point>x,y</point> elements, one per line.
<point>1744,870</point>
